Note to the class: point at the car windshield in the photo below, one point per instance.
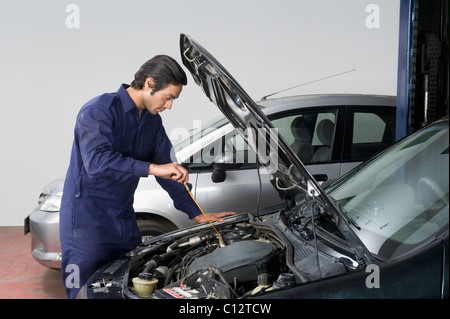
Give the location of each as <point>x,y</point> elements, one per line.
<point>400,198</point>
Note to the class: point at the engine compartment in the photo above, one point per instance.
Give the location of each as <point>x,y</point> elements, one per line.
<point>243,259</point>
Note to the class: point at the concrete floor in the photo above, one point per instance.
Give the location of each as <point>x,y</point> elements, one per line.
<point>21,277</point>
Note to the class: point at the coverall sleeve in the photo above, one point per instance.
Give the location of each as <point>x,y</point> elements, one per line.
<point>94,131</point>
<point>164,154</point>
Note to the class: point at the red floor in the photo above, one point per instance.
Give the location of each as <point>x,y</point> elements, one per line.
<point>20,276</point>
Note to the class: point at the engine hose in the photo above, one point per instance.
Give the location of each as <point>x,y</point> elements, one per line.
<point>155,262</point>
<point>289,249</point>
<point>171,273</point>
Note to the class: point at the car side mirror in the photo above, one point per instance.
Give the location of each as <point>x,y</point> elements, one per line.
<point>218,176</point>
<point>220,165</point>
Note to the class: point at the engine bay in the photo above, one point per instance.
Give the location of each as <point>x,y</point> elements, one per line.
<point>242,259</point>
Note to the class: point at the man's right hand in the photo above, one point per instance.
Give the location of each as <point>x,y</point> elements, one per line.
<point>173,171</point>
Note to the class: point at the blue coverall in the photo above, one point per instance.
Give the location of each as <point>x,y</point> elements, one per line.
<point>112,149</point>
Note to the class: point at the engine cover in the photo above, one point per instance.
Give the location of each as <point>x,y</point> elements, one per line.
<point>243,260</point>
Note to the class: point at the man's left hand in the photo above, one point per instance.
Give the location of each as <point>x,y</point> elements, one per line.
<point>214,217</point>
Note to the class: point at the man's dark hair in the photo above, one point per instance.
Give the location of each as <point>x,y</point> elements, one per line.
<point>163,70</point>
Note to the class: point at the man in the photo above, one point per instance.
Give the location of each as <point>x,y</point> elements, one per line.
<point>118,139</point>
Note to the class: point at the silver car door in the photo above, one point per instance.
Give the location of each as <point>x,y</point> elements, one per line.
<point>239,192</point>
<point>237,188</point>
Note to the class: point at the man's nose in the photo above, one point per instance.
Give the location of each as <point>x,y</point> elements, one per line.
<point>169,105</point>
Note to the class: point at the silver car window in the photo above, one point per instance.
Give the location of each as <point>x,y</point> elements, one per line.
<point>197,134</point>
<point>309,134</point>
<point>371,132</point>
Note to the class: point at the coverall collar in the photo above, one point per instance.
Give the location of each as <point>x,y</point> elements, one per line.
<point>125,99</point>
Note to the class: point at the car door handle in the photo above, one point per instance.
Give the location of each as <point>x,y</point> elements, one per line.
<point>320,177</point>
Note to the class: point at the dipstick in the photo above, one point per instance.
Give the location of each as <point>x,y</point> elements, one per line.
<point>187,188</point>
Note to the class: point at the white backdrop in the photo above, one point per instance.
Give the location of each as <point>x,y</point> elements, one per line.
<point>56,55</point>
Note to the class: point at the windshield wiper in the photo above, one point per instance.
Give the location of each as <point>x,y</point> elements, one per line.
<point>345,213</point>
<point>344,222</point>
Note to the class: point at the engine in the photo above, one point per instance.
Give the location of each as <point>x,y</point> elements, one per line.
<point>245,260</point>
<point>240,260</point>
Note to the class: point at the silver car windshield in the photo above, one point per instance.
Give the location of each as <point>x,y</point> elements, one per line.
<point>400,198</point>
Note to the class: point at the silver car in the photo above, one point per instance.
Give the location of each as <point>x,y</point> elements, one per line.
<point>332,134</point>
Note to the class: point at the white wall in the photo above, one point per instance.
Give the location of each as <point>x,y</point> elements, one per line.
<point>49,67</point>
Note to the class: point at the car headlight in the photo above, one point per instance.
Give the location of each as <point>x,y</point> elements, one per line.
<point>51,203</point>
<point>41,198</point>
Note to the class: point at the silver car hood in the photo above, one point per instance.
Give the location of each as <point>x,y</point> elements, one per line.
<point>288,174</point>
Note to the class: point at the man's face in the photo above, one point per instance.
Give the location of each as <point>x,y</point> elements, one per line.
<point>162,99</point>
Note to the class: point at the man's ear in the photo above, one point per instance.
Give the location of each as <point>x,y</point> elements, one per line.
<point>150,83</point>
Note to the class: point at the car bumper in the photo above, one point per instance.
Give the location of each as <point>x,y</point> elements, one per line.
<point>45,242</point>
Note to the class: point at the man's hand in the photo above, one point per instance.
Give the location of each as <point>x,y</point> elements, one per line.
<point>173,171</point>
<point>214,217</point>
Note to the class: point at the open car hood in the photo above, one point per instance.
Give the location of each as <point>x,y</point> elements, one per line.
<point>288,174</point>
